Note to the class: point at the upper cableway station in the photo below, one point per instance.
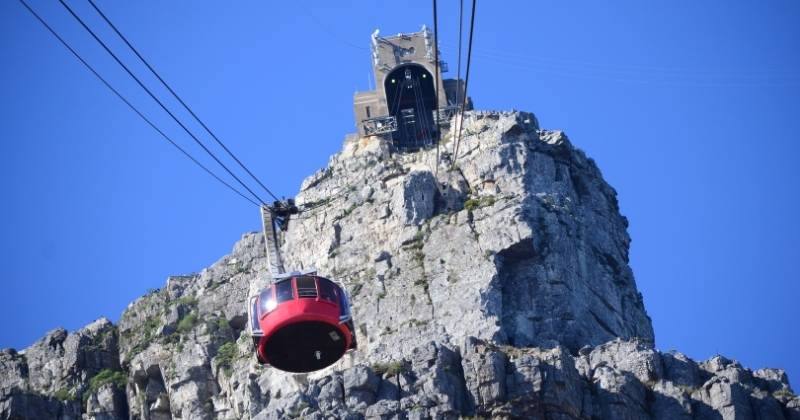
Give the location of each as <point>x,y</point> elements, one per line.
<point>403,106</point>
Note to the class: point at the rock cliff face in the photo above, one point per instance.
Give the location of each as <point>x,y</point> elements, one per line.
<point>500,288</point>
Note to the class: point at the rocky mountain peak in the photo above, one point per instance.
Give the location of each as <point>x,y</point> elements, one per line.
<point>521,243</point>
<point>498,287</point>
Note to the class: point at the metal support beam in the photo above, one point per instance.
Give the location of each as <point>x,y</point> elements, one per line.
<point>271,242</point>
<point>275,265</point>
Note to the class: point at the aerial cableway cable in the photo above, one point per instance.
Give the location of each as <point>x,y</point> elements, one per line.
<point>458,70</point>
<point>150,93</point>
<point>436,87</point>
<point>466,85</point>
<point>172,91</point>
<point>130,105</point>
<point>460,36</point>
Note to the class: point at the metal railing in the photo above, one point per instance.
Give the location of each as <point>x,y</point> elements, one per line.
<point>379,125</point>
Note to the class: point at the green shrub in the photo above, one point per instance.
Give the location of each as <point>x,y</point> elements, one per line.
<point>419,257</point>
<point>190,301</point>
<point>148,331</point>
<point>346,212</point>
<point>391,368</point>
<point>106,376</point>
<point>222,323</point>
<point>417,322</point>
<point>226,355</point>
<point>173,338</point>
<point>416,244</point>
<point>64,394</point>
<point>138,348</point>
<point>99,339</point>
<point>150,326</point>
<point>356,289</point>
<point>241,268</point>
<point>318,203</point>
<point>473,204</point>
<point>187,323</point>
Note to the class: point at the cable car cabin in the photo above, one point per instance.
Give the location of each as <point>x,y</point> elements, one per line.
<point>302,323</point>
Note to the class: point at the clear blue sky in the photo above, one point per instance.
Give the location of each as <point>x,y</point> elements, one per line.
<point>691,109</point>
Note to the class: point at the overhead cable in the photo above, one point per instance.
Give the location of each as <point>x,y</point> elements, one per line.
<point>161,104</point>
<point>458,67</point>
<point>466,85</point>
<point>172,91</point>
<point>130,105</point>
<point>436,87</point>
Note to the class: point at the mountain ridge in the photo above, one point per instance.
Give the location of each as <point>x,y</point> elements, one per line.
<point>498,289</point>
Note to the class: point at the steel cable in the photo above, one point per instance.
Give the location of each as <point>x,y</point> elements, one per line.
<point>130,105</point>
<point>161,104</point>
<point>169,88</point>
<point>466,85</point>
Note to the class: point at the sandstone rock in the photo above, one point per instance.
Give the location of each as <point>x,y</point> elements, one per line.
<point>52,376</point>
<point>108,403</point>
<point>792,409</point>
<point>360,386</point>
<point>720,398</point>
<point>679,369</point>
<point>629,356</point>
<point>500,289</point>
<point>670,401</point>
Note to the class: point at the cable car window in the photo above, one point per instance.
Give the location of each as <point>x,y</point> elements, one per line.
<point>344,305</point>
<point>283,291</point>
<point>306,287</point>
<point>327,290</point>
<point>267,301</point>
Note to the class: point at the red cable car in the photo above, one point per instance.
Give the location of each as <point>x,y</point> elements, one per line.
<point>302,323</point>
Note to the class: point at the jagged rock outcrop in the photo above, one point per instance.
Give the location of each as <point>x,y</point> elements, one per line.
<point>522,243</point>
<point>51,378</point>
<point>500,288</point>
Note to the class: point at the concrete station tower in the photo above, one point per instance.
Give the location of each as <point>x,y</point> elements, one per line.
<point>402,107</point>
